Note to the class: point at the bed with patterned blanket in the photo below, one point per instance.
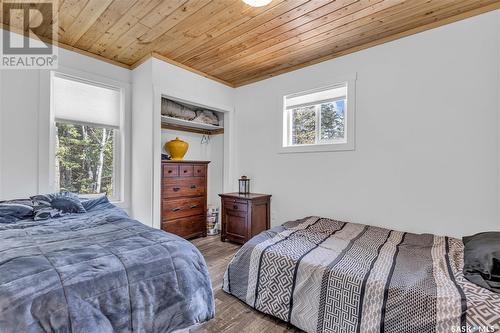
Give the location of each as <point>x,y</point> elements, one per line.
<point>99,272</point>
<point>323,275</point>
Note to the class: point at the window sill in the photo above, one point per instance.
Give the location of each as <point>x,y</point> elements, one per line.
<point>317,148</point>
<point>113,200</point>
<point>119,203</point>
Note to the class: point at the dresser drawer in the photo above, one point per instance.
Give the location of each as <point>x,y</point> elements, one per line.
<point>236,205</point>
<point>183,187</point>
<point>186,227</point>
<point>177,208</point>
<point>186,171</point>
<point>199,170</point>
<point>170,170</point>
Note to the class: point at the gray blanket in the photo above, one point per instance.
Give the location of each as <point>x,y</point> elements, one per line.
<point>99,272</point>
<point>323,275</point>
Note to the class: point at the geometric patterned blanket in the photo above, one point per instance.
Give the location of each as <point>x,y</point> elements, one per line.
<point>322,275</point>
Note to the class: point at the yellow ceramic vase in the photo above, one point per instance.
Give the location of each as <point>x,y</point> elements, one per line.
<point>177,148</point>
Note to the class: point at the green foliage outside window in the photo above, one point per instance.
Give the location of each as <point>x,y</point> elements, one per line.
<point>304,125</point>
<point>331,123</point>
<point>84,159</point>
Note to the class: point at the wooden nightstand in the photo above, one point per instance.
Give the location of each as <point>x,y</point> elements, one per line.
<point>244,215</point>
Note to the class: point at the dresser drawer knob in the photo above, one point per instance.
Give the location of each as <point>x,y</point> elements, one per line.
<point>193,186</point>
<point>185,171</point>
<point>176,189</point>
<point>194,206</point>
<point>235,207</point>
<point>169,171</point>
<point>176,209</point>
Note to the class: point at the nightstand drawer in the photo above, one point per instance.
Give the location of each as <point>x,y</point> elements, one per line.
<point>240,206</point>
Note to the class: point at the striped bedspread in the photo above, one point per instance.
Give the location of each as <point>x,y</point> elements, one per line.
<point>323,275</point>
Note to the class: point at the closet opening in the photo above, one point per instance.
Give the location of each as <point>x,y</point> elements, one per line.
<point>192,171</point>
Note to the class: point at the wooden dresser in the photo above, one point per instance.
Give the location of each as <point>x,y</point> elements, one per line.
<point>244,215</point>
<point>184,198</point>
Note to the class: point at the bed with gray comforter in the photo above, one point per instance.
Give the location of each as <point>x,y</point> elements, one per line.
<point>323,275</point>
<point>99,272</point>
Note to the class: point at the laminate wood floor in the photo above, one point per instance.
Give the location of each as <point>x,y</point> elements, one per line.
<point>231,315</point>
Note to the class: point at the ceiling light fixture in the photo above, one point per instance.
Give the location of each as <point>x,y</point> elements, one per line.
<point>257,3</point>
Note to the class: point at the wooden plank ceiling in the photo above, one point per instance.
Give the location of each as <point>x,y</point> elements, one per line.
<point>238,44</point>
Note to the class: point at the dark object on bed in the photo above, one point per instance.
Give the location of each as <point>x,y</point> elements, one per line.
<point>482,260</point>
<point>323,275</point>
<point>244,215</point>
<point>55,205</point>
<point>99,272</point>
<point>66,202</point>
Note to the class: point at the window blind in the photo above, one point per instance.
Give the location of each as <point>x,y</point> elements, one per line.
<point>85,102</point>
<point>316,97</point>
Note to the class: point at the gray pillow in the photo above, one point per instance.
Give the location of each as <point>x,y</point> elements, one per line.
<point>56,205</point>
<point>15,210</point>
<point>482,260</point>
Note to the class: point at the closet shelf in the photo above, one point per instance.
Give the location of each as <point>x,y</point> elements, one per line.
<point>190,126</point>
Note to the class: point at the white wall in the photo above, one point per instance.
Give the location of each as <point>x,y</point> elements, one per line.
<point>142,138</point>
<point>1,137</point>
<point>427,136</point>
<point>212,151</point>
<point>152,80</point>
<point>24,126</point>
<point>19,133</point>
<point>184,85</point>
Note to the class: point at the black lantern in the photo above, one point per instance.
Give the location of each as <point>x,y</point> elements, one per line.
<point>244,185</point>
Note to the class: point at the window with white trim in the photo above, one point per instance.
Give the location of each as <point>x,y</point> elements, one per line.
<point>87,125</point>
<point>320,119</point>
